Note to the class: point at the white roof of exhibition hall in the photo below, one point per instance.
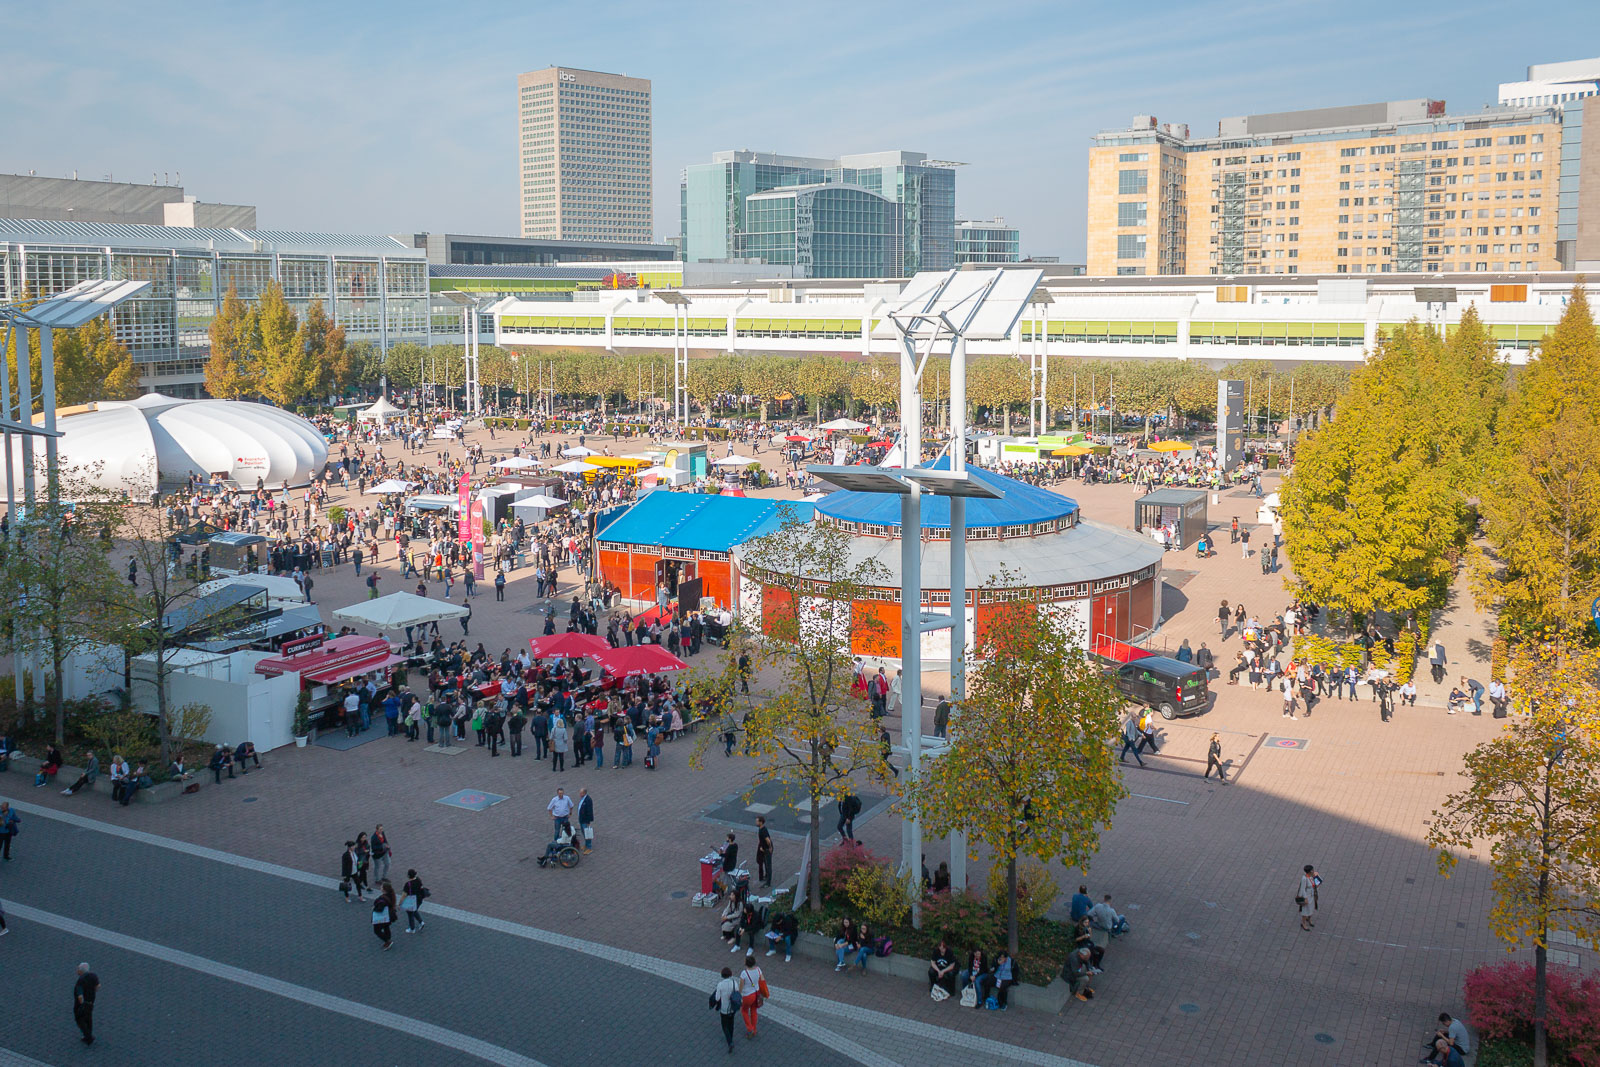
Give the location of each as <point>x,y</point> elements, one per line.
<point>38,232</point>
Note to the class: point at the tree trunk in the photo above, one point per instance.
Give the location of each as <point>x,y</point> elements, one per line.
<point>1541,1054</point>
<point>1011,907</point>
<point>60,698</point>
<point>813,887</point>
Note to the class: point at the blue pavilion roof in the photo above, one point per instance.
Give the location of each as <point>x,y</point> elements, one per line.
<point>1022,504</point>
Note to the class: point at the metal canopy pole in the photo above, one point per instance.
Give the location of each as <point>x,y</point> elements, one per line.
<point>958,577</point>
<point>911,599</point>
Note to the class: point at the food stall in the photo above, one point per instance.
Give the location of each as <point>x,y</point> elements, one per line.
<point>324,664</point>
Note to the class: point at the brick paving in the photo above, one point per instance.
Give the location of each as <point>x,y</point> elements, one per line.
<point>1215,971</point>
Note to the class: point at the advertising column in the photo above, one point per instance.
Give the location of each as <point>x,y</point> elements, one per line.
<point>464,509</point>
<point>1230,423</point>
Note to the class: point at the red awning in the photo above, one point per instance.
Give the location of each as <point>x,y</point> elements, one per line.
<point>570,646</point>
<point>353,669</point>
<point>640,659</point>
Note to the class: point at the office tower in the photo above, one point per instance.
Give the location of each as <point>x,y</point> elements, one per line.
<point>584,155</point>
<point>987,241</point>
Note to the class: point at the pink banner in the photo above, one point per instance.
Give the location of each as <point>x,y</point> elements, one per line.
<point>477,539</point>
<point>464,499</point>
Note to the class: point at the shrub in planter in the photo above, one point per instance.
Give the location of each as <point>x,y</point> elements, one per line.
<point>838,863</point>
<point>1036,890</point>
<point>1499,999</point>
<point>879,894</point>
<point>965,919</point>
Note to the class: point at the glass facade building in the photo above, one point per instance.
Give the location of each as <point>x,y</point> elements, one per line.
<point>715,206</point>
<point>987,241</point>
<point>374,287</point>
<point>823,230</point>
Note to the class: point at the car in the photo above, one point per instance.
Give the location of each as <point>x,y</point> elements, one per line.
<point>1170,686</point>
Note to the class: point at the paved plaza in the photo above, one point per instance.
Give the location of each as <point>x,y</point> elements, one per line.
<point>213,921</point>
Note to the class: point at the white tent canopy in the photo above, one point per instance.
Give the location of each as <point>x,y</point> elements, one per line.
<point>734,461</point>
<point>380,411</point>
<point>844,424</point>
<point>576,466</point>
<point>397,611</point>
<point>579,450</point>
<point>517,463</point>
<point>393,485</point>
<point>541,501</point>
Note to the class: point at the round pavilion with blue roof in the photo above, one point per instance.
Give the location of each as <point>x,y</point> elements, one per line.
<point>1100,582</point>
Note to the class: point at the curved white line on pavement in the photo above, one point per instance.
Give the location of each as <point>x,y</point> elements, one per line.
<point>696,978</point>
<point>450,1039</point>
<point>17,1059</point>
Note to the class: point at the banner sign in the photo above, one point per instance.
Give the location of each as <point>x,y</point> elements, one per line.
<point>477,539</point>
<point>1230,423</point>
<point>464,516</point>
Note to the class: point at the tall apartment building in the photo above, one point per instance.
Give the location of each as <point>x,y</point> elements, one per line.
<point>987,241</point>
<point>897,218</point>
<point>1374,188</point>
<point>583,155</point>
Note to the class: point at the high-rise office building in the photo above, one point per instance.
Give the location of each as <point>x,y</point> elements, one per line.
<point>1401,187</point>
<point>583,155</point>
<point>987,241</point>
<point>916,227</point>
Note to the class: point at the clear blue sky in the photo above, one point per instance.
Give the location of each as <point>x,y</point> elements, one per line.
<point>399,117</point>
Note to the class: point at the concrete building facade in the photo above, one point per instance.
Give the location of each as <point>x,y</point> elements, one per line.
<point>583,155</point>
<point>29,196</point>
<point>1398,187</point>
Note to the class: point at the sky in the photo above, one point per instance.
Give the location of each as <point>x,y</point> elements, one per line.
<point>400,117</point>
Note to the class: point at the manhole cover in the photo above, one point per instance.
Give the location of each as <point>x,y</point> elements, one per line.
<point>251,800</point>
<point>1190,1008</point>
<point>679,894</point>
<point>1323,1039</point>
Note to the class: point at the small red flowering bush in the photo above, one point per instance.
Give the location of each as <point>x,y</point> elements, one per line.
<point>839,862</point>
<point>1499,1001</point>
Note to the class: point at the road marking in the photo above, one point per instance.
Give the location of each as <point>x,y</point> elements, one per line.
<point>1164,800</point>
<point>696,978</point>
<point>17,1059</point>
<point>450,1039</point>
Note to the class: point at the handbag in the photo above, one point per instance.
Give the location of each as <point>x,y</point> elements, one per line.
<point>969,997</point>
<point>344,886</point>
<point>765,993</point>
<point>938,993</point>
<point>588,832</point>
<point>381,916</point>
<point>408,903</point>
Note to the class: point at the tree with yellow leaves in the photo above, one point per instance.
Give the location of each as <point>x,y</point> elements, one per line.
<point>1030,768</point>
<point>230,373</point>
<point>1531,795</point>
<point>809,732</point>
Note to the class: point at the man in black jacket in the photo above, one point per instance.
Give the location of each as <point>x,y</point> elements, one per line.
<point>349,863</point>
<point>849,808</point>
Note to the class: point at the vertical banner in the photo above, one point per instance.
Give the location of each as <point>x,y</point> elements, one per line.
<point>477,539</point>
<point>1230,423</point>
<point>464,515</point>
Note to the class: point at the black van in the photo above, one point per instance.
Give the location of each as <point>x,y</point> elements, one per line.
<point>1170,686</point>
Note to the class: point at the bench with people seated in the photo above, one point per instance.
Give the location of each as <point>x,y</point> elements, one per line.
<point>102,783</point>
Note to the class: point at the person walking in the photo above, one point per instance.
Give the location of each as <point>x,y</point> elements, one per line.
<point>849,808</point>
<point>1214,758</point>
<point>1244,542</point>
<point>1307,895</point>
<point>941,718</point>
<point>1147,733</point>
<point>500,585</point>
<point>380,854</point>
<point>516,724</point>
<point>1130,739</point>
<point>383,909</point>
<point>560,808</point>
<point>586,820</point>
<point>84,992</point>
<point>558,744</point>
<point>349,865</point>
<point>752,992</point>
<point>1223,615</point>
<point>9,827</point>
<point>763,851</point>
<point>411,902</point>
<point>725,999</point>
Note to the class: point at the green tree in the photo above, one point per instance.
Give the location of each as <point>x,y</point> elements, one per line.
<point>235,343</point>
<point>320,345</point>
<point>1029,770</point>
<point>821,380</point>
<point>91,364</point>
<point>1531,796</point>
<point>876,384</point>
<point>1542,503</point>
<point>769,377</point>
<point>1372,511</point>
<point>405,364</point>
<point>58,581</point>
<point>358,364</point>
<point>714,377</point>
<point>809,732</point>
<point>284,367</point>
<point>999,383</point>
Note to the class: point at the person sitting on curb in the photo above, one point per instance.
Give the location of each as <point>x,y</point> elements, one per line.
<point>976,975</point>
<point>221,760</point>
<point>785,928</point>
<point>845,942</point>
<point>942,971</point>
<point>1077,973</point>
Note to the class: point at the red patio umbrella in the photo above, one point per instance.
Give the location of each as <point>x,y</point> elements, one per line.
<point>797,438</point>
<point>570,646</point>
<point>639,659</point>
<point>880,444</point>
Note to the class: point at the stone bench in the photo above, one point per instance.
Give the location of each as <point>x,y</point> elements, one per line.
<point>155,794</point>
<point>1049,998</point>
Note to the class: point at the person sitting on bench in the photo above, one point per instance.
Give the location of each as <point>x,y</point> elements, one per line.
<point>139,779</point>
<point>90,773</point>
<point>52,764</point>
<point>221,760</point>
<point>245,752</point>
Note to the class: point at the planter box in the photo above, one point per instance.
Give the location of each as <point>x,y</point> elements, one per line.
<point>67,775</point>
<point>1051,998</point>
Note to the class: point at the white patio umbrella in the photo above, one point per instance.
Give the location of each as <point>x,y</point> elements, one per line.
<point>844,424</point>
<point>517,463</point>
<point>576,466</point>
<point>579,450</point>
<point>393,485</point>
<point>541,501</point>
<point>733,461</point>
<point>397,611</point>
<point>657,471</point>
